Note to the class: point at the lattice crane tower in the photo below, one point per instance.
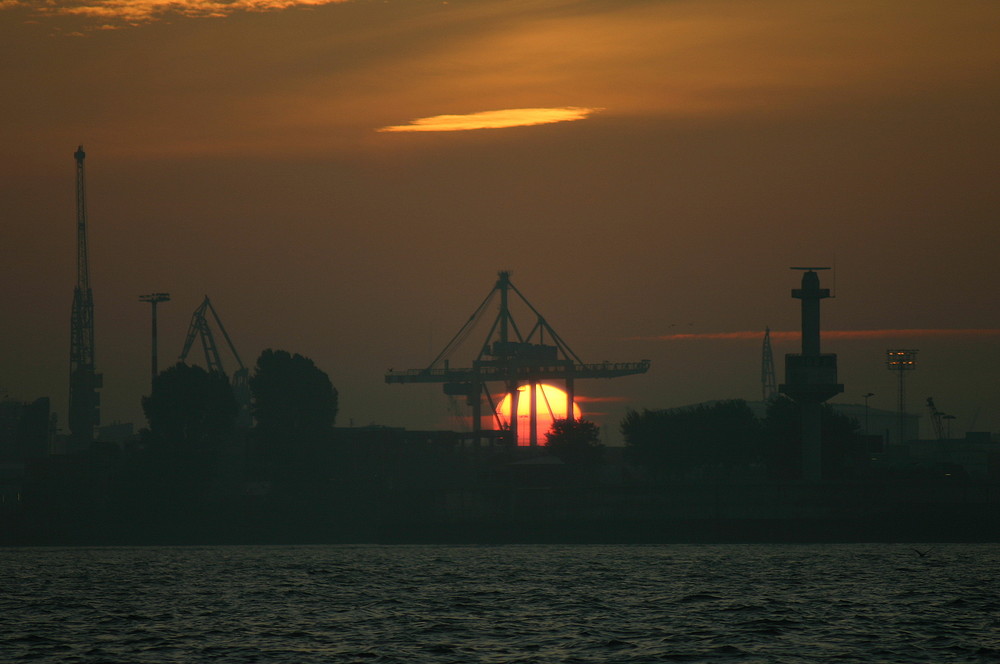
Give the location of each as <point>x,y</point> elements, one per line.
<point>84,381</point>
<point>768,382</point>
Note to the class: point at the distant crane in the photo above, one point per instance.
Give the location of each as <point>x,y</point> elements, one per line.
<point>513,358</point>
<point>84,381</point>
<point>937,418</point>
<point>240,380</point>
<point>768,383</point>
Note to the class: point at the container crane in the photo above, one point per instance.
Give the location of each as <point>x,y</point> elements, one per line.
<point>240,380</point>
<point>513,358</point>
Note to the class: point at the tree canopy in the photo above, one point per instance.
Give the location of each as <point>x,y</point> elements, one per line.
<point>708,438</point>
<point>190,407</point>
<point>295,406</point>
<point>575,442</point>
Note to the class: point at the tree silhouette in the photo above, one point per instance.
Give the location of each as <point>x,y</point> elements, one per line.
<point>575,442</point>
<point>295,406</point>
<point>711,439</point>
<point>190,408</point>
<point>191,414</point>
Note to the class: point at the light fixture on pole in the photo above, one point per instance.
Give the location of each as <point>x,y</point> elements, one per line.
<point>154,299</point>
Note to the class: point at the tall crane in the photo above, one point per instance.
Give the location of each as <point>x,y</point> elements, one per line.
<point>936,419</point>
<point>768,383</point>
<point>513,358</point>
<point>84,381</point>
<point>240,380</point>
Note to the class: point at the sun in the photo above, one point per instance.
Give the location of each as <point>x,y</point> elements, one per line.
<point>551,406</point>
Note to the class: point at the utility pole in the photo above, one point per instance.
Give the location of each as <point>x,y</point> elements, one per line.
<point>84,381</point>
<point>154,299</point>
<point>866,397</point>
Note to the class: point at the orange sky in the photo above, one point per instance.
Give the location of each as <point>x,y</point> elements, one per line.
<point>234,150</point>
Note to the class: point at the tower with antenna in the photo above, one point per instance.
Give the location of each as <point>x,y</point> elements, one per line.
<point>811,376</point>
<point>84,381</point>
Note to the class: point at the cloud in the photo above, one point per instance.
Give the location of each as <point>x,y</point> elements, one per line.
<point>510,117</point>
<point>144,11</point>
<point>582,399</point>
<point>827,334</point>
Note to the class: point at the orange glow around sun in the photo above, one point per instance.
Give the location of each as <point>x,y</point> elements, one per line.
<point>551,407</point>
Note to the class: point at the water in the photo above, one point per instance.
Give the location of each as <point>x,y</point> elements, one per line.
<point>601,604</point>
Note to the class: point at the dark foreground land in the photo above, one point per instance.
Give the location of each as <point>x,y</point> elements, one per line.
<point>684,512</point>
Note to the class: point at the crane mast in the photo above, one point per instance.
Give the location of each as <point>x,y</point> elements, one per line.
<point>768,382</point>
<point>84,400</point>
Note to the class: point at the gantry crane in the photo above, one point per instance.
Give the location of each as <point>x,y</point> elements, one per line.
<point>512,358</point>
<point>240,380</point>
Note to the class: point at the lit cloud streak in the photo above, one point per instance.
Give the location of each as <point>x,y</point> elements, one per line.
<point>827,334</point>
<point>134,12</point>
<point>510,117</point>
<point>582,399</point>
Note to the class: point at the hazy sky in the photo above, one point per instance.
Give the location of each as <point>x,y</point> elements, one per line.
<point>645,169</point>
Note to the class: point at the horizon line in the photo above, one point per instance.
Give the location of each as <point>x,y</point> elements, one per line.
<point>788,335</point>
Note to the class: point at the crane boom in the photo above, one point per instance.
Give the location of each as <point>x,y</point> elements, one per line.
<point>936,417</point>
<point>240,380</point>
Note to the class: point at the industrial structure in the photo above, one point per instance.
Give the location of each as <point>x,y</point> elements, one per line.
<point>811,376</point>
<point>902,361</point>
<point>509,357</point>
<point>240,380</point>
<point>768,383</point>
<point>84,381</point>
<point>154,299</point>
<point>938,420</point>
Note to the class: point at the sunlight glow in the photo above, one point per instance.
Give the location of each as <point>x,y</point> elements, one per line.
<point>551,407</point>
<point>511,117</point>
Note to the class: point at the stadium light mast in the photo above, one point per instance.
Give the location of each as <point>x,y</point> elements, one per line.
<point>901,360</point>
<point>154,299</point>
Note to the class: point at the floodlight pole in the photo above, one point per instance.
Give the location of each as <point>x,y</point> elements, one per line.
<point>901,360</point>
<point>154,299</point>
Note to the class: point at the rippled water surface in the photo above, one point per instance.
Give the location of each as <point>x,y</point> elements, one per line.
<point>679,603</point>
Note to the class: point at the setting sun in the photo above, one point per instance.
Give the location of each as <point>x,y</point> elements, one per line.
<point>551,407</point>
